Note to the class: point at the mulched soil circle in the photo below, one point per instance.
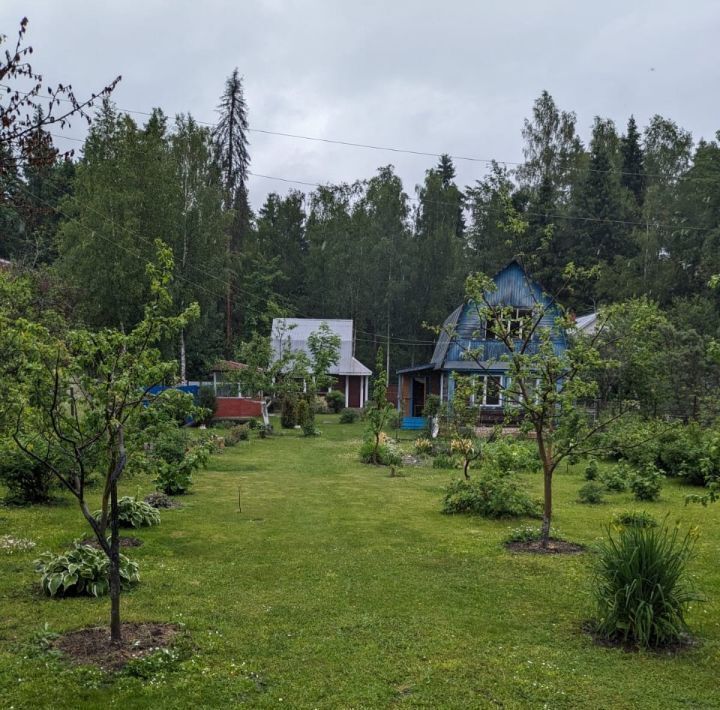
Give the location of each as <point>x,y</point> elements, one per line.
<point>684,644</point>
<point>554,547</point>
<point>92,646</point>
<point>124,542</point>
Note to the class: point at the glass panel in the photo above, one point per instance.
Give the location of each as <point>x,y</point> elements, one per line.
<point>492,391</point>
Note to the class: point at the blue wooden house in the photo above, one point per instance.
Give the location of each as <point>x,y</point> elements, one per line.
<point>463,331</point>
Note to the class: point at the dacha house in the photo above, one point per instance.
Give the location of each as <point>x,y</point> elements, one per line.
<point>464,332</point>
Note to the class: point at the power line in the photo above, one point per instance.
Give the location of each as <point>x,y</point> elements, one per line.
<point>371,146</point>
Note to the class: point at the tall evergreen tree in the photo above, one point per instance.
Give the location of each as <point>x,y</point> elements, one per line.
<point>633,164</point>
<point>231,144</point>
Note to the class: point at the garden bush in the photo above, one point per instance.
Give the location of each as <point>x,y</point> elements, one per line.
<point>83,570</point>
<point>591,470</point>
<point>646,482</point>
<point>529,533</point>
<point>634,518</point>
<point>633,439</point>
<point>388,452</point>
<point>306,418</point>
<point>238,433</point>
<point>491,494</point>
<point>288,415</point>
<point>335,401</point>
<point>616,478</point>
<point>26,480</point>
<point>591,493</point>
<point>641,587</point>
<point>348,416</point>
<point>690,452</point>
<point>159,500</point>
<point>134,513</point>
<point>509,454</point>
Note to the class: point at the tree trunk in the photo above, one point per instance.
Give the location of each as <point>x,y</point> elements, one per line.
<point>466,466</point>
<point>115,629</point>
<point>183,358</point>
<point>546,458</point>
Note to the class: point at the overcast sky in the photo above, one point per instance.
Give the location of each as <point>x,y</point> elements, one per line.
<point>456,77</point>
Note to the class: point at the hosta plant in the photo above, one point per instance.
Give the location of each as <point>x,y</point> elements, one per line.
<point>133,513</point>
<point>83,570</point>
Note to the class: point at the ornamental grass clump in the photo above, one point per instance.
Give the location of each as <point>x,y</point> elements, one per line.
<point>641,586</point>
<point>83,570</point>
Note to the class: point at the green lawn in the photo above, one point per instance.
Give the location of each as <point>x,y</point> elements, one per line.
<point>340,587</point>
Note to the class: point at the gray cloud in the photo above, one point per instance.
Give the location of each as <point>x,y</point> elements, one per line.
<point>457,76</point>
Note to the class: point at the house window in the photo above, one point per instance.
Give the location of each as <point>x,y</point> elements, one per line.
<point>511,322</point>
<point>488,392</point>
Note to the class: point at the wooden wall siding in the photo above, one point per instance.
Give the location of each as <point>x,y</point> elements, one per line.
<point>515,290</point>
<point>237,408</point>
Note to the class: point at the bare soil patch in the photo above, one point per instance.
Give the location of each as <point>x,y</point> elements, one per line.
<point>554,547</point>
<point>685,644</point>
<point>92,646</point>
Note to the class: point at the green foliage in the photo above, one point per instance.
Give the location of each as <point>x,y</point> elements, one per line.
<point>634,518</point>
<point>616,479</point>
<point>529,533</point>
<point>83,570</point>
<point>591,493</point>
<point>175,477</point>
<point>236,434</point>
<point>632,439</point>
<point>641,585</point>
<point>445,461</point>
<point>335,400</point>
<point>591,470</point>
<point>134,513</point>
<point>384,453</point>
<point>288,412</point>
<point>423,446</point>
<point>377,415</point>
<point>490,494</point>
<point>432,407</point>
<point>348,416</point>
<point>207,401</point>
<point>511,454</point>
<point>690,452</point>
<point>306,418</point>
<point>646,483</point>
<point>26,480</point>
<point>159,500</point>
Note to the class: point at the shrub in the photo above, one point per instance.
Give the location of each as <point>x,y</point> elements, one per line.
<point>306,418</point>
<point>174,458</point>
<point>432,406</point>
<point>207,401</point>
<point>348,416</point>
<point>394,419</point>
<point>634,518</point>
<point>134,513</point>
<point>616,478</point>
<point>82,570</point>
<point>508,454</point>
<point>591,493</point>
<point>255,423</point>
<point>640,586</point>
<point>238,433</point>
<point>26,480</point>
<point>159,500</point>
<point>335,400</point>
<point>591,470</point>
<point>632,439</point>
<point>646,483</point>
<point>288,415</point>
<point>388,452</point>
<point>691,452</point>
<point>491,494</point>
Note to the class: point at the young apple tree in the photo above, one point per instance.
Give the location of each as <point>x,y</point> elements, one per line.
<point>78,400</point>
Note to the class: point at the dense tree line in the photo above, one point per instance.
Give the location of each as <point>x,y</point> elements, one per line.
<point>643,205</point>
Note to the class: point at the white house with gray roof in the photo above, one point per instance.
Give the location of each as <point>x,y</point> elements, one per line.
<point>351,376</point>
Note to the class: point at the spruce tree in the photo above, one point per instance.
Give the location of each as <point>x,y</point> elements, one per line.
<point>633,164</point>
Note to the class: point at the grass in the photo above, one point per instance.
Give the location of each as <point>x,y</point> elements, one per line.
<point>340,587</point>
